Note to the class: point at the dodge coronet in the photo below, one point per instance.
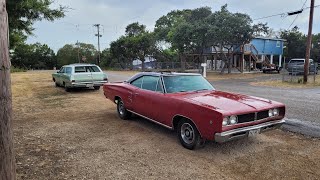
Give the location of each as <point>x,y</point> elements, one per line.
<point>190,105</point>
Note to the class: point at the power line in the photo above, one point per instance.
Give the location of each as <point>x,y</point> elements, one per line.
<point>298,14</point>
<point>282,14</point>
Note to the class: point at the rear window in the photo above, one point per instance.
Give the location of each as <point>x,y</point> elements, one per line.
<point>297,61</point>
<point>84,69</point>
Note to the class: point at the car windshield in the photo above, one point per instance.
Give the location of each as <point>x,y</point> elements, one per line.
<point>186,83</point>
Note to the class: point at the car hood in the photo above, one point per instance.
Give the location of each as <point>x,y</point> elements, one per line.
<point>225,102</point>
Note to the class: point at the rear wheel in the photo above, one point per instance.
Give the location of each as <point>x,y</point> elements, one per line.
<point>122,111</point>
<point>189,135</point>
<point>96,87</point>
<point>66,88</point>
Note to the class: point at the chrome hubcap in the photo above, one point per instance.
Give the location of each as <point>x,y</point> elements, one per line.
<point>121,108</point>
<point>187,133</point>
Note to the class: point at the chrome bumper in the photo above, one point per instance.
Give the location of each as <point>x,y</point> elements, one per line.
<point>87,84</point>
<point>244,132</point>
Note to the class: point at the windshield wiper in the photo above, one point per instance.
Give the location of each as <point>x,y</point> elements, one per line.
<point>201,90</point>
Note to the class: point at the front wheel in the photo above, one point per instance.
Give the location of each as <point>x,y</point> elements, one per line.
<point>122,111</point>
<point>188,135</point>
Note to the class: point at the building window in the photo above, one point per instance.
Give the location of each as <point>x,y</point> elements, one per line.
<point>278,44</point>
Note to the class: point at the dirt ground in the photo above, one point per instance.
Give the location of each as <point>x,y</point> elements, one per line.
<point>77,135</point>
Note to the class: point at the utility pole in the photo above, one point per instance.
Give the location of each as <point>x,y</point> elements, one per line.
<point>78,44</point>
<point>306,64</point>
<point>7,157</point>
<point>99,35</point>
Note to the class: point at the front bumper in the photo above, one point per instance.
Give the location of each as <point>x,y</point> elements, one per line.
<point>244,132</point>
<point>87,84</point>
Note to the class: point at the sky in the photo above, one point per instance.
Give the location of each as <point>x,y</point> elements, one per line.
<point>114,15</point>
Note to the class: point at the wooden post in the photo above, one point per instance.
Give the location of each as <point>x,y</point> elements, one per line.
<point>7,159</point>
<point>309,40</point>
<point>215,61</point>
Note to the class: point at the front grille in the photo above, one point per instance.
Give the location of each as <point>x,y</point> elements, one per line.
<point>263,115</point>
<point>246,118</point>
<point>251,116</point>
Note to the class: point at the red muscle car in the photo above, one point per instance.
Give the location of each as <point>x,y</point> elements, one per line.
<point>189,104</point>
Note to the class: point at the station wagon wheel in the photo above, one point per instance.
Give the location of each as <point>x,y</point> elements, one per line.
<point>122,111</point>
<point>66,88</point>
<point>188,135</point>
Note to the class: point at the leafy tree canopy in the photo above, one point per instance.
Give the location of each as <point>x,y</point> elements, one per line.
<point>23,13</point>
<point>82,52</point>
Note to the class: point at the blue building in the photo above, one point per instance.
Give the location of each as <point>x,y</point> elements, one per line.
<point>269,48</point>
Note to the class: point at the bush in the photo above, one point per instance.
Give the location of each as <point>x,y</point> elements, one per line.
<point>14,69</point>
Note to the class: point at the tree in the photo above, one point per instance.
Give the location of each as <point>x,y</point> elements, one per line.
<point>33,56</point>
<point>68,54</point>
<point>136,44</point>
<point>191,31</point>
<point>7,159</point>
<point>135,29</point>
<point>295,42</point>
<point>23,13</point>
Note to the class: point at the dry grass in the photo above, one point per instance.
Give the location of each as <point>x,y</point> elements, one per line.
<point>281,84</point>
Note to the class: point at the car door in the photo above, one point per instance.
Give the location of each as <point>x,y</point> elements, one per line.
<point>147,99</point>
<point>59,75</point>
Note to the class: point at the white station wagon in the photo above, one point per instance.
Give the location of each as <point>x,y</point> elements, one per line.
<point>80,76</point>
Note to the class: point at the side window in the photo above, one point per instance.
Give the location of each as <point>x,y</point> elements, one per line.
<point>68,70</point>
<point>278,44</point>
<point>150,83</point>
<point>137,82</point>
<point>62,70</point>
<point>80,69</point>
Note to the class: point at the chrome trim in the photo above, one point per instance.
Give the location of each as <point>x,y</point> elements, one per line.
<point>258,120</point>
<point>151,120</point>
<point>186,118</point>
<point>242,132</point>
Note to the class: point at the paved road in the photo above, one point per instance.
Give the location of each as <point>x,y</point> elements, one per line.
<point>303,105</point>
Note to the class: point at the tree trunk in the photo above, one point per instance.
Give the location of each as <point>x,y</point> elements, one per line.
<point>7,160</point>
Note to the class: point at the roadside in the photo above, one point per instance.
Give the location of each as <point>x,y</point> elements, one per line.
<point>78,135</point>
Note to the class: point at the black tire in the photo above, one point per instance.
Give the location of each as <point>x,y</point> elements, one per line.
<point>189,135</point>
<point>56,84</point>
<point>122,111</point>
<point>96,87</point>
<point>67,89</point>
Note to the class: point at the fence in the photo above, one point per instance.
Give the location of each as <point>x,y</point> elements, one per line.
<point>295,75</point>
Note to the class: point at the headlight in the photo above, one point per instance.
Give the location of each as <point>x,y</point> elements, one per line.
<point>233,120</point>
<point>276,112</point>
<point>225,121</point>
<point>270,113</point>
